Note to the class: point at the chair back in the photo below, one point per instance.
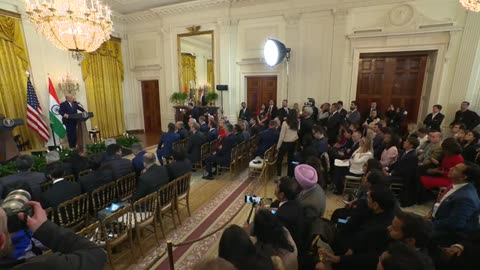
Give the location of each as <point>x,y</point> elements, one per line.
<point>145,209</point>
<point>213,145</point>
<point>204,151</point>
<point>70,178</point>
<point>183,185</point>
<point>50,214</point>
<point>253,146</point>
<point>74,212</point>
<point>125,186</point>
<point>116,227</point>
<point>84,172</point>
<point>166,195</point>
<point>103,196</point>
<point>93,233</point>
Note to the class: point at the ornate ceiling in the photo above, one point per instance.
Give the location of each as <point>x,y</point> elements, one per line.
<point>132,6</point>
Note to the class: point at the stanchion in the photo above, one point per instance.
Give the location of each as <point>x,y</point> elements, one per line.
<point>170,254</point>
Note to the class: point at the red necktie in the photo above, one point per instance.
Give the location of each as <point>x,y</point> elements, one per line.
<point>440,197</point>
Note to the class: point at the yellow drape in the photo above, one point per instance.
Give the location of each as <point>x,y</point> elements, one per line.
<point>210,73</point>
<point>13,81</point>
<point>103,75</point>
<point>189,72</point>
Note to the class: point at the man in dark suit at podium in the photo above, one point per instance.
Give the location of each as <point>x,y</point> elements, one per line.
<point>68,107</point>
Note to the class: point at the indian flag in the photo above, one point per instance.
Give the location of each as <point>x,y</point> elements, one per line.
<point>55,118</point>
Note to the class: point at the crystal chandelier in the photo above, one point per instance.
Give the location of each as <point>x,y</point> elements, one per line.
<point>75,25</point>
<point>473,5</point>
<point>68,85</point>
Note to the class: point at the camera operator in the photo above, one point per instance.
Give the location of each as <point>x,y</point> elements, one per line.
<point>70,250</point>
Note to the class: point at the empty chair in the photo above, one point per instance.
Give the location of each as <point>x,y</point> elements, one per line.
<point>125,186</point>
<point>183,192</point>
<point>74,212</point>
<point>166,204</point>
<point>103,197</point>
<point>93,233</point>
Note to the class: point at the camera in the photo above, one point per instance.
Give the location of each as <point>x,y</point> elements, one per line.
<point>310,102</point>
<point>253,199</point>
<point>13,204</point>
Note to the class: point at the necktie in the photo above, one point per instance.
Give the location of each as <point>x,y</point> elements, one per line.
<point>440,197</point>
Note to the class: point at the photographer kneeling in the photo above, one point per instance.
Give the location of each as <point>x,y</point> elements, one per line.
<point>70,250</point>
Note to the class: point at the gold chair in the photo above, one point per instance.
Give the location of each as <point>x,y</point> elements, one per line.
<point>103,197</point>
<point>117,229</point>
<point>213,146</point>
<point>93,233</point>
<point>352,183</point>
<point>84,172</point>
<point>50,214</point>
<point>183,192</point>
<point>46,185</point>
<point>73,213</point>
<point>253,146</point>
<point>70,178</point>
<point>144,212</point>
<point>240,154</point>
<point>204,152</point>
<point>125,186</point>
<point>233,162</point>
<point>166,204</point>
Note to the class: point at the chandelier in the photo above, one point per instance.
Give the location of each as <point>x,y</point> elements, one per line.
<point>68,85</point>
<point>75,25</point>
<point>473,5</point>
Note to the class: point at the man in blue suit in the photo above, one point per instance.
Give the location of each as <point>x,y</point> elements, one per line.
<point>223,154</point>
<point>212,132</point>
<point>458,207</point>
<point>164,148</point>
<point>67,108</point>
<point>267,138</point>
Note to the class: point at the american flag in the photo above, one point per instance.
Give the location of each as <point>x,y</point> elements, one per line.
<point>34,114</point>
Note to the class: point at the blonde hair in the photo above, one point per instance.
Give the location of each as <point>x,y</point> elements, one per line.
<point>367,145</point>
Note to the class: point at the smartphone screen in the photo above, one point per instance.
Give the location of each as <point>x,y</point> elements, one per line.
<point>343,221</point>
<point>273,211</point>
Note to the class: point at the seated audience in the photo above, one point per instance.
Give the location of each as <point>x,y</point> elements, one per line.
<point>181,166</point>
<point>438,177</point>
<point>422,135</point>
<point>61,190</point>
<point>98,177</point>
<point>54,156</point>
<point>272,239</point>
<point>78,162</point>
<point>181,130</point>
<point>345,151</point>
<point>152,179</point>
<point>267,138</point>
<point>460,136</point>
<point>434,120</point>
<point>137,161</point>
<point>238,133</point>
<point>319,144</point>
<point>455,129</point>
<point>120,166</point>
<point>245,130</point>
<point>254,127</point>
<point>371,120</point>
<point>24,175</point>
<point>463,254</point>
<point>312,196</point>
<point>319,165</point>
<point>287,142</point>
<point>212,131</point>
<point>236,247</point>
<point>194,145</point>
<point>458,207</point>
<point>203,124</point>
<point>399,256</point>
<point>431,152</point>
<point>390,153</point>
<point>222,155</point>
<point>470,147</point>
<point>165,146</point>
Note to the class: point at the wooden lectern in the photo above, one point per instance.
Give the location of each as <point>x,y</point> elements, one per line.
<point>83,138</point>
<point>8,147</point>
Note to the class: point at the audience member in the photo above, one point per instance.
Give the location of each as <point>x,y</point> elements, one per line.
<point>222,155</point>
<point>460,136</point>
<point>78,161</point>
<point>306,124</point>
<point>181,166</point>
<point>283,112</point>
<point>377,139</point>
<point>238,133</point>
<point>371,121</point>
<point>318,146</point>
<point>203,124</point>
<point>98,177</point>
<point>455,128</point>
<point>341,110</point>
<point>193,111</point>
<point>353,116</point>
<point>181,130</point>
<point>120,166</point>
<point>263,117</point>
<point>312,196</point>
<point>254,127</point>
<point>24,175</point>
<point>373,107</point>
<point>399,256</point>
<point>244,113</point>
<point>245,130</point>
<point>54,156</point>
<point>390,153</point>
<point>272,110</point>
<point>323,114</point>
<point>311,101</point>
<point>152,179</point>
<point>137,161</point>
<point>267,138</point>
<point>194,144</point>
<point>214,264</point>
<point>467,117</point>
<point>422,135</point>
<point>287,142</point>
<point>470,148</point>
<point>333,123</point>
<point>461,255</point>
<point>431,152</point>
<point>434,120</point>
<point>165,146</point>
<point>212,132</point>
<point>296,107</point>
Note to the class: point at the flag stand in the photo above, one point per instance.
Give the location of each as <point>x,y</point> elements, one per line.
<point>54,140</point>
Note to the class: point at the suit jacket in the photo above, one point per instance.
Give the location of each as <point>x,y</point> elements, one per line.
<point>179,168</point>
<point>194,113</point>
<point>333,125</point>
<point>60,192</point>
<point>282,114</point>
<point>183,132</point>
<point>291,216</point>
<point>469,118</point>
<point>273,112</point>
<point>95,179</point>
<point>267,138</point>
<point>245,114</point>
<point>406,165</point>
<point>306,126</point>
<point>164,148</point>
<point>432,150</point>
<point>212,135</point>
<point>313,202</point>
<point>65,108</point>
<point>354,117</point>
<point>194,146</point>
<point>378,146</point>
<point>227,145</point>
<point>152,180</point>
<point>32,179</point>
<point>458,212</point>
<point>343,112</point>
<point>434,123</point>
<point>470,152</point>
<point>77,164</point>
<point>120,166</point>
<point>137,162</point>
<point>204,128</point>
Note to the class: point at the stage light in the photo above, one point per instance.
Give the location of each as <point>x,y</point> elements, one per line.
<point>275,51</point>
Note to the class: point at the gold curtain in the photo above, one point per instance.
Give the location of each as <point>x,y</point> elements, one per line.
<point>189,72</point>
<point>103,75</point>
<point>210,73</point>
<point>13,81</point>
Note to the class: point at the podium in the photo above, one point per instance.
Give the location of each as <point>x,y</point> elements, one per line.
<point>83,138</point>
<point>8,147</point>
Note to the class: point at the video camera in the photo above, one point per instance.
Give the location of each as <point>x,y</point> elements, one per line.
<point>13,204</point>
<point>310,102</point>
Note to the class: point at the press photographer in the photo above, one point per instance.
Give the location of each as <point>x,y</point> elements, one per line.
<point>70,251</point>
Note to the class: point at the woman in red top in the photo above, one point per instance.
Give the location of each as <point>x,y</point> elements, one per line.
<point>221,131</point>
<point>438,177</point>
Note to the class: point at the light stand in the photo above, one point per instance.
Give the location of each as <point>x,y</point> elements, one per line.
<point>287,56</point>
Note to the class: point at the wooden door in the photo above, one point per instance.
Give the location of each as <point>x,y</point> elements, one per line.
<point>260,90</point>
<point>395,78</point>
<point>151,106</point>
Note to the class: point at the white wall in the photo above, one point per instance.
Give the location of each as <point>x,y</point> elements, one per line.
<point>326,38</point>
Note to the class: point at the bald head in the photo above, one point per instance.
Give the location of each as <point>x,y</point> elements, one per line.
<point>149,159</point>
<point>69,98</point>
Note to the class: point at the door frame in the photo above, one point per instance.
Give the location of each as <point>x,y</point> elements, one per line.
<point>139,83</point>
<point>243,95</point>
<point>246,88</point>
<point>428,97</point>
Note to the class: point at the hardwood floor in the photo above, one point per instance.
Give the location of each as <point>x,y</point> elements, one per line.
<point>148,139</point>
